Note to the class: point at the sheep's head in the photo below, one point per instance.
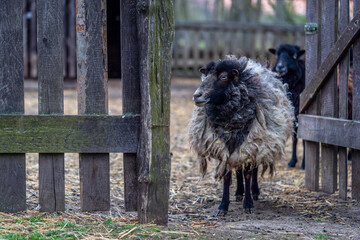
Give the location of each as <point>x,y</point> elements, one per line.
<point>287,56</point>
<point>217,79</point>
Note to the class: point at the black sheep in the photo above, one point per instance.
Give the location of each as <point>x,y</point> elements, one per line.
<point>292,71</point>
<point>242,119</point>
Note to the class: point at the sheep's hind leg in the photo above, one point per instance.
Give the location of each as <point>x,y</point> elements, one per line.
<point>254,185</point>
<point>240,185</point>
<point>248,202</point>
<point>224,205</point>
<point>303,161</point>
<point>293,160</point>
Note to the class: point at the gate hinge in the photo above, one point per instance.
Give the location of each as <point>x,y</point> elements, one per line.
<point>311,28</point>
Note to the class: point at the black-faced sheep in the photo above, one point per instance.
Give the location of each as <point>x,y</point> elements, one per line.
<point>292,71</point>
<point>242,119</point>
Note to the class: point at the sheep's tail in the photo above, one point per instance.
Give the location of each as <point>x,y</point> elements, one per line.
<point>271,168</point>
<point>203,166</point>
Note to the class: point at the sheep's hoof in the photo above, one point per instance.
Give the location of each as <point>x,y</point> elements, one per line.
<point>248,211</point>
<point>255,197</point>
<point>291,164</point>
<point>238,198</point>
<point>221,213</point>
<point>303,164</point>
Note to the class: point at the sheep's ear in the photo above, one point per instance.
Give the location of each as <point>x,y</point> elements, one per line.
<point>235,73</point>
<point>301,53</point>
<point>202,70</point>
<point>272,50</point>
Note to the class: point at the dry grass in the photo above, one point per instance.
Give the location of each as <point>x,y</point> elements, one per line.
<point>193,201</point>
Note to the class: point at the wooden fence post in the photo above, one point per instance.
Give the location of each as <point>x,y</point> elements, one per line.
<point>355,180</point>
<point>328,95</point>
<point>343,100</point>
<point>92,98</point>
<point>155,24</point>
<point>312,63</point>
<point>51,98</point>
<point>12,166</point>
<point>130,77</point>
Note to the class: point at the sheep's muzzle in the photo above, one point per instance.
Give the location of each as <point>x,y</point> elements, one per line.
<point>199,98</point>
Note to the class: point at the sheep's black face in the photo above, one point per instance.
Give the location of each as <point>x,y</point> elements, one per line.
<point>216,80</point>
<point>287,57</point>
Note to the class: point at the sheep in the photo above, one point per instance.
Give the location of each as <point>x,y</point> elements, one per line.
<point>242,118</point>
<point>292,71</point>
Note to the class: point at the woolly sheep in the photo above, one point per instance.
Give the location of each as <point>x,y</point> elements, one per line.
<point>242,119</point>
<point>292,71</point>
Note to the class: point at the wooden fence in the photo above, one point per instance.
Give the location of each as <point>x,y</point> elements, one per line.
<point>325,122</point>
<point>197,43</point>
<point>141,133</point>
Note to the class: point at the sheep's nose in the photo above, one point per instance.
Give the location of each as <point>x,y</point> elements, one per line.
<point>197,95</point>
<point>280,68</point>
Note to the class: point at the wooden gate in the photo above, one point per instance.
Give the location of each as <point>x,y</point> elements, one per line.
<point>325,123</point>
<point>142,132</point>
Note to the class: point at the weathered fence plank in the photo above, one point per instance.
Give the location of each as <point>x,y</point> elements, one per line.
<point>12,166</point>
<point>328,96</point>
<point>51,98</point>
<point>92,98</point>
<point>33,41</point>
<point>131,92</point>
<point>336,53</point>
<point>156,32</point>
<point>355,180</point>
<point>311,64</point>
<point>343,100</point>
<point>69,133</point>
<point>329,130</point>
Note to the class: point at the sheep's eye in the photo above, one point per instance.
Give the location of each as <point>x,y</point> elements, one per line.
<point>223,77</point>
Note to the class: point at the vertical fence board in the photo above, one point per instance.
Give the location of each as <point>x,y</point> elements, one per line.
<point>355,180</point>
<point>12,166</point>
<point>312,56</point>
<point>51,98</point>
<point>131,92</point>
<point>25,36</point>
<point>92,99</point>
<point>328,96</point>
<point>343,100</point>
<point>33,41</point>
<point>156,33</point>
<point>71,40</point>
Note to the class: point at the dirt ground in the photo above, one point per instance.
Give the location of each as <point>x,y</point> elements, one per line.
<point>286,210</point>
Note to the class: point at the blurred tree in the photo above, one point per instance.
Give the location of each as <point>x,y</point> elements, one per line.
<point>285,12</point>
<point>181,10</point>
<point>280,9</point>
<point>245,11</point>
<point>219,10</point>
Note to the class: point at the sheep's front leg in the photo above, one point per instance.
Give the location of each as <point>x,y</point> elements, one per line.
<point>254,185</point>
<point>248,202</point>
<point>240,185</point>
<point>224,205</point>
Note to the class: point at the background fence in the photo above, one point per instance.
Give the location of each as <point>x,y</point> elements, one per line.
<point>195,45</point>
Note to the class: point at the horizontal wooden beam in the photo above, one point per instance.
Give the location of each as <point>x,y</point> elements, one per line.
<point>339,50</point>
<point>339,132</point>
<point>230,26</point>
<point>68,133</point>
